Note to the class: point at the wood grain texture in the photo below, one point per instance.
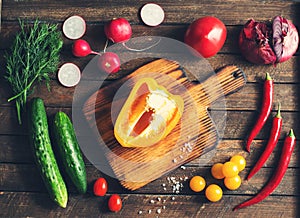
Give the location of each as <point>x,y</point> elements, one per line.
<point>129,164</point>
<point>21,204</point>
<point>22,193</point>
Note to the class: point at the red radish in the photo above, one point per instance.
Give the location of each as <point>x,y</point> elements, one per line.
<point>109,62</point>
<point>118,30</point>
<point>74,27</point>
<point>69,75</point>
<point>81,48</point>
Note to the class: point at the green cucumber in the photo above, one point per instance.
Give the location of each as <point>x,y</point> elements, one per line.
<point>44,156</point>
<point>69,151</point>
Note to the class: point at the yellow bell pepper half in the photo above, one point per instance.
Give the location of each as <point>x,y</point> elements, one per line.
<point>148,115</point>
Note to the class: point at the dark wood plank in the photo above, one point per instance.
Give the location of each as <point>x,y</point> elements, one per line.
<point>247,98</point>
<point>16,150</point>
<point>32,182</point>
<point>236,126</point>
<point>16,204</point>
<point>176,12</point>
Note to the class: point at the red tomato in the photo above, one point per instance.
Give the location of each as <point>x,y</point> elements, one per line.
<point>206,35</point>
<point>100,187</point>
<point>114,203</point>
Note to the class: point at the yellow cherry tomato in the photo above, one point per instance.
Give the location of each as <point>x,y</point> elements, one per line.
<point>233,183</point>
<point>230,169</point>
<point>216,171</point>
<point>213,193</point>
<point>197,183</point>
<point>239,160</point>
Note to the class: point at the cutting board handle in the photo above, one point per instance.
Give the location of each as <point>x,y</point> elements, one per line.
<point>227,80</point>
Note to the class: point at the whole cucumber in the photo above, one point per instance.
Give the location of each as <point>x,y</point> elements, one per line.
<point>69,151</point>
<point>41,145</point>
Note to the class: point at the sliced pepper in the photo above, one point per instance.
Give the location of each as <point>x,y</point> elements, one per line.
<point>148,115</point>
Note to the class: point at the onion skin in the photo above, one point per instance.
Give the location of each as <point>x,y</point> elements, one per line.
<point>264,43</point>
<point>254,43</point>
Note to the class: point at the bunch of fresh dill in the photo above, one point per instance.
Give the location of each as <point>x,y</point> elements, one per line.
<point>33,55</point>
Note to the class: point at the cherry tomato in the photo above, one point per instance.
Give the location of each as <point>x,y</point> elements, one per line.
<point>239,161</point>
<point>233,183</point>
<point>213,193</point>
<point>197,183</point>
<point>230,169</point>
<point>109,62</point>
<point>115,203</point>
<point>216,171</point>
<point>206,35</point>
<point>100,187</point>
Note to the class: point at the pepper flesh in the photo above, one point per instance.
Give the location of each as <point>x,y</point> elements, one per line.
<point>287,150</point>
<point>149,114</point>
<point>274,136</point>
<point>265,110</point>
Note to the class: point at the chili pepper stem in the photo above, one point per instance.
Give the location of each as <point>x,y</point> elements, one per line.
<point>268,77</point>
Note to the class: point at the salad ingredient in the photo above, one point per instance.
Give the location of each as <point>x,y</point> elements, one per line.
<point>42,150</point>
<point>100,187</point>
<point>206,35</point>
<point>285,38</point>
<point>69,151</point>
<point>69,75</point>
<point>149,114</point>
<point>240,161</point>
<point>213,193</point>
<point>81,48</point>
<point>287,150</point>
<point>197,183</point>
<point>33,55</point>
<point>152,14</point>
<point>273,139</point>
<point>230,169</point>
<point>261,43</point>
<point>109,62</point>
<point>216,171</point>
<point>233,183</point>
<point>74,27</point>
<point>265,110</point>
<point>115,203</point>
<point>118,30</point>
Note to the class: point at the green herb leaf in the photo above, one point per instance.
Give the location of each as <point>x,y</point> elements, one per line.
<point>33,55</point>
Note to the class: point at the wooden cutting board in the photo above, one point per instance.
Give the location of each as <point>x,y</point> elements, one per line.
<point>194,136</point>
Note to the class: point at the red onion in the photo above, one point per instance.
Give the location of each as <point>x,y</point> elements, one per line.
<point>265,43</point>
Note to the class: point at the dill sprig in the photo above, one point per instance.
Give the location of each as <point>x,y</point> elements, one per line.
<point>33,55</point>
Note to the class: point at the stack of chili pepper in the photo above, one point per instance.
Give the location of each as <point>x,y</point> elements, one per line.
<point>287,150</point>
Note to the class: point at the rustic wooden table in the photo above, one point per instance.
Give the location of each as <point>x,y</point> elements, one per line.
<point>22,193</point>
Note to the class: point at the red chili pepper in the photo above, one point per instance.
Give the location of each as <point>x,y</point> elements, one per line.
<point>273,139</point>
<point>265,110</point>
<point>287,150</point>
